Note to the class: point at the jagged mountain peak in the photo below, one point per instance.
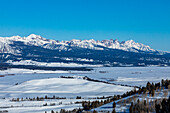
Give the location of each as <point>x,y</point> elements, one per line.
<point>33,36</point>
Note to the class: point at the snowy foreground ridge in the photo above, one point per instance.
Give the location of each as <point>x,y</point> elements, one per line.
<point>37,40</point>
<point>58,87</point>
<point>63,88</point>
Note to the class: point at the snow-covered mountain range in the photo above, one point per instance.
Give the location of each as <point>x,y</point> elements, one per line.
<point>37,40</point>
<point>35,49</point>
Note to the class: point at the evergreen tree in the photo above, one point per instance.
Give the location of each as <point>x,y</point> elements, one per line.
<point>138,101</point>
<point>145,102</point>
<point>114,105</point>
<point>148,85</point>
<point>131,108</point>
<point>114,111</point>
<point>153,92</point>
<point>157,107</point>
<point>163,82</point>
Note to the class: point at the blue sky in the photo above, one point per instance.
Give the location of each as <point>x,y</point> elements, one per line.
<point>145,21</point>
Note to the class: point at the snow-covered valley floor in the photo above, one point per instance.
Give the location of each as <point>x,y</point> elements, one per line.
<point>27,83</point>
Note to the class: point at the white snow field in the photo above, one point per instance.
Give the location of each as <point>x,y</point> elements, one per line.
<point>58,87</point>
<point>62,87</point>
<point>135,76</point>
<point>33,83</point>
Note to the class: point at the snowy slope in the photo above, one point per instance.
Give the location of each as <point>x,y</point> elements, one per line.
<point>63,88</point>
<point>60,87</point>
